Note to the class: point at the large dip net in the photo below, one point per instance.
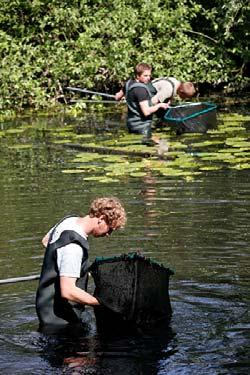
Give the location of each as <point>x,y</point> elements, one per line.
<point>131,288</point>
<point>191,117</point>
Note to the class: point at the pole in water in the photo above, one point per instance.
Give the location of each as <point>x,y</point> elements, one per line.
<point>19,279</point>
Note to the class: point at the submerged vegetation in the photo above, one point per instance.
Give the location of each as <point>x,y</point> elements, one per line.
<point>112,155</point>
<point>47,45</point>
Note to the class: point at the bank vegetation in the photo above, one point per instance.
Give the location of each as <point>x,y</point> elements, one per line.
<point>46,45</point>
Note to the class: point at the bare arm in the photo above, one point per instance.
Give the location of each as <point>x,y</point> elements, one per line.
<point>71,292</point>
<point>147,110</point>
<point>155,99</point>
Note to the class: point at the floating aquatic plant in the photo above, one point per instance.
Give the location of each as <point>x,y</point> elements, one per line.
<point>24,146</point>
<point>62,141</point>
<point>14,131</point>
<point>73,171</point>
<point>241,166</point>
<point>111,157</point>
<point>208,143</point>
<point>210,168</point>
<point>87,157</point>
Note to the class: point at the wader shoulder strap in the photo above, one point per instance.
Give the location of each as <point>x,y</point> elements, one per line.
<point>67,237</point>
<point>59,222</point>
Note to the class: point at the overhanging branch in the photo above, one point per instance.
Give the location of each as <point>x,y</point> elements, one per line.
<point>201,34</point>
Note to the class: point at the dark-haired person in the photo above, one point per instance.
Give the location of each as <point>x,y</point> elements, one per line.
<point>61,294</point>
<point>139,93</point>
<point>144,97</point>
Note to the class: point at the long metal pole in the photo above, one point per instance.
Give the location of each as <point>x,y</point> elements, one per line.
<point>18,279</point>
<point>85,91</point>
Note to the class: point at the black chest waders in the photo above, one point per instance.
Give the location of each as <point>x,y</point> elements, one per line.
<point>136,122</point>
<point>51,308</point>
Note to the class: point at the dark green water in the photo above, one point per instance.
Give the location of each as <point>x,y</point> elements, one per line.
<point>199,227</point>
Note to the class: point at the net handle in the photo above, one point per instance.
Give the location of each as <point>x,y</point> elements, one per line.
<point>186,104</point>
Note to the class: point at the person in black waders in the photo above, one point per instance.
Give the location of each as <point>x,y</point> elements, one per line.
<point>61,293</point>
<point>138,93</point>
<point>145,97</point>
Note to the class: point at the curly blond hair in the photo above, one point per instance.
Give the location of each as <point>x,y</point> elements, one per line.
<point>111,208</point>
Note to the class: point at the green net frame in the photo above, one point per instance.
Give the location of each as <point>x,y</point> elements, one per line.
<point>192,117</point>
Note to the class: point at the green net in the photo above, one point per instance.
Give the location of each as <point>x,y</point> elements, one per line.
<point>192,117</point>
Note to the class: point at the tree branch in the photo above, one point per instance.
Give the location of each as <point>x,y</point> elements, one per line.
<point>201,34</point>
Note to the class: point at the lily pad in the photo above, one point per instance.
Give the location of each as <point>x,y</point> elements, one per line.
<point>227,150</point>
<point>84,136</point>
<point>14,131</point>
<point>239,144</point>
<point>61,141</point>
<point>210,168</point>
<point>208,143</point>
<point>107,180</point>
<point>21,146</point>
<point>93,178</point>
<point>113,159</point>
<point>242,166</point>
<point>138,174</point>
<point>86,157</point>
<point>177,145</point>
<point>231,141</point>
<point>232,129</point>
<point>90,168</point>
<point>176,172</point>
<point>73,171</point>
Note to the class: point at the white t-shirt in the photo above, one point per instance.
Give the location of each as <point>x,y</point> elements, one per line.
<point>69,257</point>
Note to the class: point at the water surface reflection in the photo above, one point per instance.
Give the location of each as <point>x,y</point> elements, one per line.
<point>198,227</point>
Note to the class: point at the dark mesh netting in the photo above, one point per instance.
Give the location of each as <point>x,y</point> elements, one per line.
<point>132,288</point>
<point>192,117</point>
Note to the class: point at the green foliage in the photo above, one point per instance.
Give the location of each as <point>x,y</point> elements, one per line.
<point>45,45</point>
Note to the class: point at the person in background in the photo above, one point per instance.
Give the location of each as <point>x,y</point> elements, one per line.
<point>139,93</point>
<point>61,294</point>
<point>168,88</point>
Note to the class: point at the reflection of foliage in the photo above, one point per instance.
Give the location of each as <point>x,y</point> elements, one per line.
<point>46,45</point>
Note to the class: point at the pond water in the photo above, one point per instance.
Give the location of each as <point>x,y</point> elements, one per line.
<point>193,218</point>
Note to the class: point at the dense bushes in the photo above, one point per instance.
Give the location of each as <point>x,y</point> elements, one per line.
<point>46,45</point>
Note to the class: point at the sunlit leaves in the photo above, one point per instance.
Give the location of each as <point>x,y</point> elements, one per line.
<point>44,45</point>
